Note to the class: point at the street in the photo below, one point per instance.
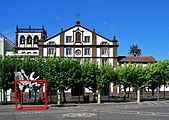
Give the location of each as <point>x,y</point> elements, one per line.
<point>150,110</point>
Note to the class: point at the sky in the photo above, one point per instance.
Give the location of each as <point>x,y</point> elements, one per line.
<point>134,22</point>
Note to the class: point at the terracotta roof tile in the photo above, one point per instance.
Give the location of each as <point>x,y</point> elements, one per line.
<point>132,59</point>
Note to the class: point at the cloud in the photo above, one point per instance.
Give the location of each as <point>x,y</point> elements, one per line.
<point>112,26</point>
<point>105,23</point>
<point>57,18</point>
<point>96,19</point>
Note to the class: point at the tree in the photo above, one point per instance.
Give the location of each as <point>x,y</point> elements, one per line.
<point>62,74</point>
<point>105,76</point>
<point>134,50</point>
<point>6,74</point>
<point>139,74</point>
<point>157,75</point>
<point>89,72</point>
<point>125,76</point>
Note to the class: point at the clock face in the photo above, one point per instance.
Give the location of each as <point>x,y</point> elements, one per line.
<point>78,52</point>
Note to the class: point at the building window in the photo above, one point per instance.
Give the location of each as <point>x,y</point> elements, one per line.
<point>104,43</point>
<point>78,37</point>
<point>51,43</point>
<point>87,39</point>
<point>51,51</point>
<point>22,40</point>
<point>28,52</point>
<point>104,51</point>
<point>104,61</point>
<point>36,39</point>
<point>68,51</point>
<point>34,52</point>
<point>29,40</point>
<point>68,39</point>
<point>87,51</point>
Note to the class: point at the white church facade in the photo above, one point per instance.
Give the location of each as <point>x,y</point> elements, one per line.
<point>76,42</point>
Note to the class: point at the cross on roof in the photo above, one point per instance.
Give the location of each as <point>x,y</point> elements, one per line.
<point>78,15</point>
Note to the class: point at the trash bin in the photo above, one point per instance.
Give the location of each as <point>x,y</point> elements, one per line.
<point>86,99</point>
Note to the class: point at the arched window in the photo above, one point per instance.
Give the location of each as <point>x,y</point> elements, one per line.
<point>36,38</point>
<point>78,37</point>
<point>29,40</point>
<point>22,40</point>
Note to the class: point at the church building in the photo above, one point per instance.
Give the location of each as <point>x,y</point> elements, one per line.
<point>77,42</point>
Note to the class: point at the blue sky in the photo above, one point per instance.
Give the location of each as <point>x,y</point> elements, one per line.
<point>141,22</point>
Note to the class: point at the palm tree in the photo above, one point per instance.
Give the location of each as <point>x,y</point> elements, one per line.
<point>134,50</point>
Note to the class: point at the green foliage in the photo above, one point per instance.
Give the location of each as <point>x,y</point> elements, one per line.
<point>6,73</point>
<point>62,74</point>
<point>89,73</point>
<point>125,74</point>
<point>157,74</point>
<point>105,76</point>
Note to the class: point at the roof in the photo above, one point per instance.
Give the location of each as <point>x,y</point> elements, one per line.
<point>78,25</point>
<point>132,59</point>
<point>6,39</point>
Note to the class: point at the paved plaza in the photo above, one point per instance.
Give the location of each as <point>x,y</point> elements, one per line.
<point>151,110</point>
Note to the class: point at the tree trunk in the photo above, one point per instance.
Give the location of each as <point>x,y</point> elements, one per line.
<point>5,96</point>
<point>99,95</point>
<point>153,93</point>
<point>124,93</point>
<point>94,97</point>
<point>158,93</point>
<point>164,91</point>
<point>64,97</point>
<point>138,95</point>
<point>129,92</point>
<point>1,95</point>
<point>59,97</point>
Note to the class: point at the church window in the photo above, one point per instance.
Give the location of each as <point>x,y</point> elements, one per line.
<point>29,40</point>
<point>104,43</point>
<point>22,40</point>
<point>104,51</point>
<point>78,37</point>
<point>87,39</point>
<point>51,43</point>
<point>104,61</point>
<point>36,38</point>
<point>68,39</point>
<point>51,51</point>
<point>87,51</point>
<point>68,51</point>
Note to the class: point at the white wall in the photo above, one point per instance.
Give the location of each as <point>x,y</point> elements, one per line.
<point>100,40</point>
